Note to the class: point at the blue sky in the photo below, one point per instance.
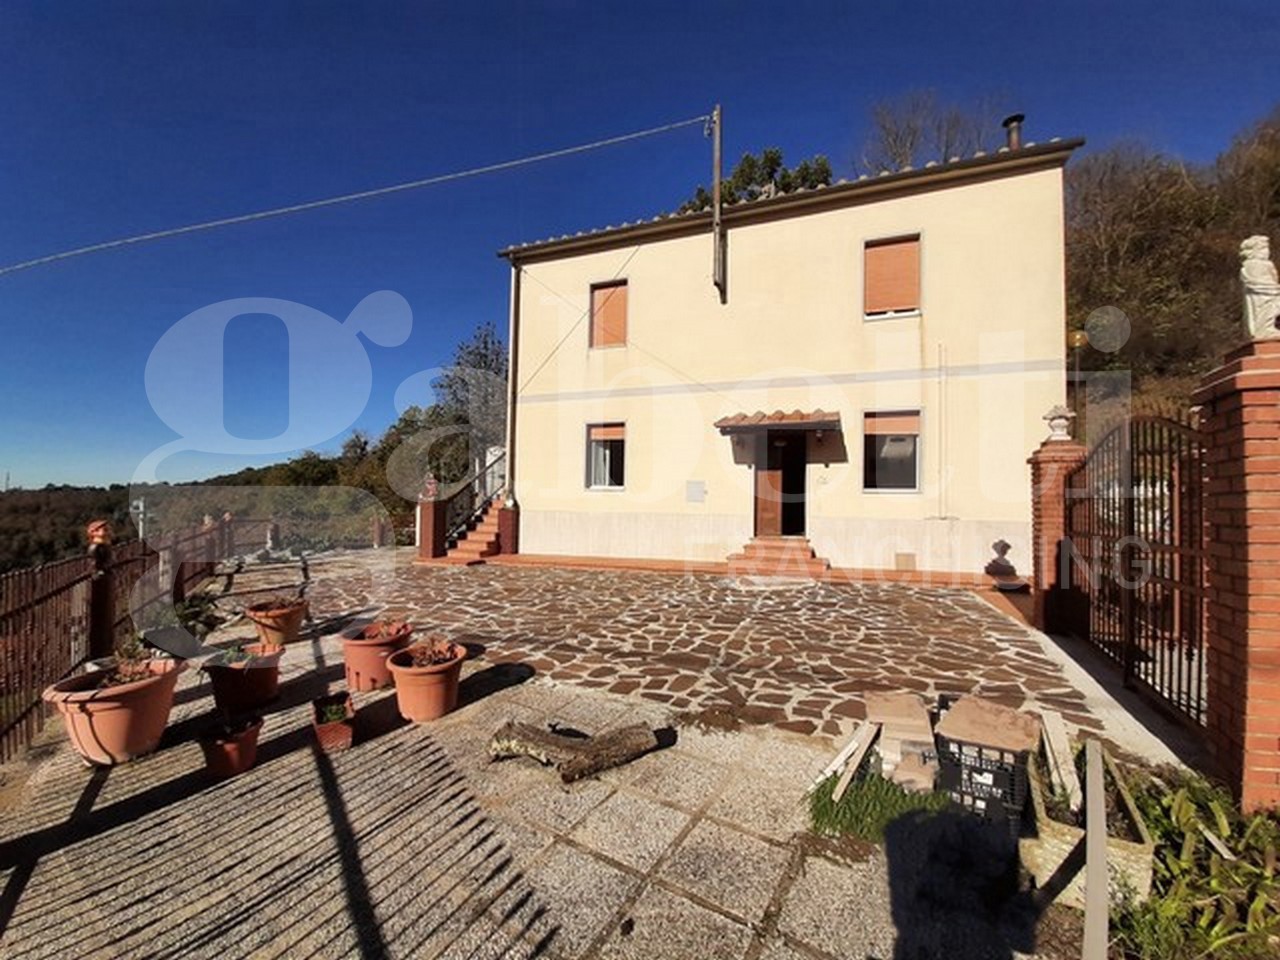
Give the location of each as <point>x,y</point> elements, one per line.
<point>121,118</point>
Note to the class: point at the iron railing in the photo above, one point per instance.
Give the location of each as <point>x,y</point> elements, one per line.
<point>465,505</point>
<point>1136,551</point>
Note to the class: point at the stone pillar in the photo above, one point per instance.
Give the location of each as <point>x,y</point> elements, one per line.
<point>431,529</point>
<point>1055,458</point>
<point>1240,428</point>
<point>509,529</point>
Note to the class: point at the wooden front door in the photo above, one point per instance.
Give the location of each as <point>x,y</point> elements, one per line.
<point>780,477</point>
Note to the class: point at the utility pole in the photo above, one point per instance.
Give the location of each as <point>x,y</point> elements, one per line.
<point>718,272</point>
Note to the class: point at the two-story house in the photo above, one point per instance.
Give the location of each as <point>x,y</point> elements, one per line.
<point>867,390</point>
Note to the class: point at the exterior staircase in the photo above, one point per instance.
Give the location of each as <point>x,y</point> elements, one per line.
<point>480,541</point>
<point>778,557</point>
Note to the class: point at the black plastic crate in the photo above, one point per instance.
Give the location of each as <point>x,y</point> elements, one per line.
<point>992,809</point>
<point>1009,784</point>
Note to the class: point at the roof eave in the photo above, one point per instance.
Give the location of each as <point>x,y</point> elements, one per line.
<point>1053,153</point>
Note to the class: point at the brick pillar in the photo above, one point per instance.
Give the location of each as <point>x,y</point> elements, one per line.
<point>1050,465</point>
<point>431,529</point>
<point>1240,427</point>
<point>509,529</point>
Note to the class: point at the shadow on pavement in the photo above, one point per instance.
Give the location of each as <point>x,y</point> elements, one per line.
<point>954,889</point>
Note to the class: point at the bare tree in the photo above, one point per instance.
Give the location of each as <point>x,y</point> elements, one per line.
<point>916,127</point>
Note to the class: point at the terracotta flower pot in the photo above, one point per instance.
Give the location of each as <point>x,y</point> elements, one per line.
<point>365,653</point>
<point>277,623</point>
<point>242,686</point>
<point>333,734</point>
<point>426,692</point>
<point>231,751</point>
<point>109,725</point>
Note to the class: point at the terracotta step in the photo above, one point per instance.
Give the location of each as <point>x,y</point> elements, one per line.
<point>784,548</point>
<point>740,566</point>
<point>475,549</point>
<point>778,557</point>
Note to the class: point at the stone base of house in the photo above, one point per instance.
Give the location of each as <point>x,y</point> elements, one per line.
<point>865,544</point>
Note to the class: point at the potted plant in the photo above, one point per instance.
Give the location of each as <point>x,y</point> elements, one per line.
<point>333,719</point>
<point>426,677</point>
<point>365,651</point>
<point>244,677</point>
<point>278,619</point>
<point>115,714</point>
<point>1058,829</point>
<point>231,746</point>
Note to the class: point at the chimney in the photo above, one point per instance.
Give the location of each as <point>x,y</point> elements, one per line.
<point>1013,130</point>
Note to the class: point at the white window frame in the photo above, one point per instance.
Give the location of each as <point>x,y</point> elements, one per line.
<point>862,458</point>
<point>590,447</point>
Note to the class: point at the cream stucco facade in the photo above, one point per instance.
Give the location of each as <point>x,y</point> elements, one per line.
<point>982,360</point>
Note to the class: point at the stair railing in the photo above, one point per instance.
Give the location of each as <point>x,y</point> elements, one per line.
<point>472,498</point>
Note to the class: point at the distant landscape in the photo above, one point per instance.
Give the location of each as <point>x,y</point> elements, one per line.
<point>39,526</point>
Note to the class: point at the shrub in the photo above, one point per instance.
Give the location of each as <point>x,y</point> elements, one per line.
<point>1203,904</point>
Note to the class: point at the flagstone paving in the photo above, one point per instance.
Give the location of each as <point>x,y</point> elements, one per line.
<point>796,655</point>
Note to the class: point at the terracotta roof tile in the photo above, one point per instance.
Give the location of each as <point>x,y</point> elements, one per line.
<point>813,420</point>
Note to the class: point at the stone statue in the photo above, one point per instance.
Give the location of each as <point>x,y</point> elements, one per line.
<point>1261,289</point>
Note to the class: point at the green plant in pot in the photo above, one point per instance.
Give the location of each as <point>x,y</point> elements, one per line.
<point>426,676</point>
<point>231,746</point>
<point>115,714</point>
<point>333,720</point>
<point>245,677</point>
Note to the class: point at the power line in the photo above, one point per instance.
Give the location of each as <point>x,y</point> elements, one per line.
<point>350,197</point>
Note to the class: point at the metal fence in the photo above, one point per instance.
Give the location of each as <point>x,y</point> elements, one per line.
<point>1136,549</point>
<point>54,617</point>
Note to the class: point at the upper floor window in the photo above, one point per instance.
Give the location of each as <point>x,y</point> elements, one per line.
<point>891,277</point>
<point>891,450</point>
<point>609,314</point>
<point>606,451</point>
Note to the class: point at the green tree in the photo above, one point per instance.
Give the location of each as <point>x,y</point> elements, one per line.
<point>764,175</point>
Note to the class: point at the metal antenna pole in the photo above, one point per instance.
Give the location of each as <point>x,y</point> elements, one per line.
<point>717,226</point>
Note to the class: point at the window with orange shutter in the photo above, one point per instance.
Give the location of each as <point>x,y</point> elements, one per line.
<point>891,277</point>
<point>609,314</point>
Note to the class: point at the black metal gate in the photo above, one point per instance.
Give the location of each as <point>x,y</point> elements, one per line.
<point>1136,550</point>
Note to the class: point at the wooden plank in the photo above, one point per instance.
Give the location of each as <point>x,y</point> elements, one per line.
<point>1062,765</point>
<point>837,763</point>
<point>855,761</point>
<point>1095,870</point>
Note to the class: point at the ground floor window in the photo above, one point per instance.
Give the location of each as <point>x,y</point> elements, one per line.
<point>891,450</point>
<point>606,452</point>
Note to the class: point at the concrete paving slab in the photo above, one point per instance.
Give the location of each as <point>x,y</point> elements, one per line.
<point>736,872</point>
<point>554,806</point>
<point>583,894</point>
<point>765,805</point>
<point>630,829</point>
<point>841,910</point>
<point>663,925</point>
<point>675,777</point>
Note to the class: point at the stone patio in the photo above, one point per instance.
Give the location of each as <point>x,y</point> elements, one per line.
<point>412,844</point>
<point>797,655</point>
